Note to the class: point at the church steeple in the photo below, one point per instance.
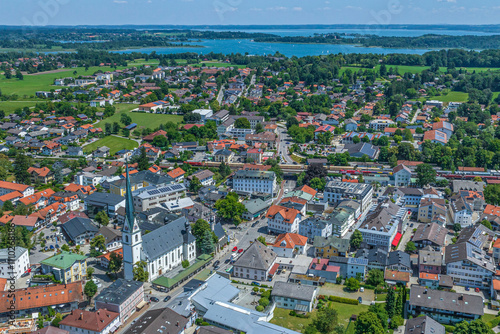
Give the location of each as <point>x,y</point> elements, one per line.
<point>129,204</point>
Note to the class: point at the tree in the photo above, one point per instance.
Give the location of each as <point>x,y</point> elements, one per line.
<point>474,327</point>
<point>317,183</point>
<point>410,247</point>
<point>142,160</point>
<point>492,194</point>
<point>425,175</point>
<point>19,75</point>
<point>230,208</point>
<point>195,184</point>
<point>90,289</point>
<point>90,272</point>
<point>125,119</point>
<point>262,240</point>
<point>22,163</point>
<point>140,273</point>
<point>264,302</point>
<point>486,223</point>
<point>356,239</point>
<point>57,319</point>
<point>102,218</point>
<point>314,171</point>
<point>115,262</point>
<point>242,123</point>
<point>160,141</point>
<point>224,170</point>
<point>326,320</point>
<point>375,277</point>
<point>199,230</point>
<point>390,302</point>
<point>259,128</point>
<point>396,321</point>
<point>65,248</point>
<point>8,206</point>
<point>356,140</point>
<point>207,244</point>
<point>98,243</point>
<point>352,284</point>
<point>368,322</point>
<point>185,264</point>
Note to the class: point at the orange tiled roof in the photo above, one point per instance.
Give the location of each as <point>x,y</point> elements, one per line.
<point>309,190</point>
<point>44,171</point>
<point>36,196</point>
<point>13,186</point>
<point>176,173</point>
<point>107,255</point>
<point>91,321</point>
<point>291,240</point>
<point>288,214</point>
<point>11,196</point>
<point>434,277</point>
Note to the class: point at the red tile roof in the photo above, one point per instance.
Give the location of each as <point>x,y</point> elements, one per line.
<point>91,321</point>
<point>288,214</point>
<point>176,173</point>
<point>291,240</point>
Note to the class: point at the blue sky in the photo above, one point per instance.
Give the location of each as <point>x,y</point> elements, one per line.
<point>223,12</point>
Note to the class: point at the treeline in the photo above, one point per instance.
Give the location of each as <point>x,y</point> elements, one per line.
<point>419,42</point>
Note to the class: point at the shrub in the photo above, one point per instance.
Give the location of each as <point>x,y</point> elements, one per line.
<point>343,300</point>
<point>293,313</point>
<point>449,328</point>
<point>264,301</point>
<point>266,294</point>
<point>259,308</point>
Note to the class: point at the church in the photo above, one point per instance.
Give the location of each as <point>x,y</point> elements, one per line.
<point>161,249</point>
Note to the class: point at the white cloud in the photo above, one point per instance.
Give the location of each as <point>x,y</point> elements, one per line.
<point>297,9</point>
<point>120,1</point>
<point>353,8</point>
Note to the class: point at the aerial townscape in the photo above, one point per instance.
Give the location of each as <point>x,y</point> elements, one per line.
<point>312,176</point>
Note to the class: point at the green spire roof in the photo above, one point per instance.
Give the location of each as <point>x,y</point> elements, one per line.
<point>129,204</point>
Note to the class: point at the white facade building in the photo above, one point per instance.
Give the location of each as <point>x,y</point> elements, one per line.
<point>250,181</point>
<point>13,263</point>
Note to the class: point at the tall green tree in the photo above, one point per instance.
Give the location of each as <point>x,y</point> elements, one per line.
<point>474,327</point>
<point>90,289</point>
<point>142,160</point>
<point>356,239</point>
<point>195,184</point>
<point>390,302</point>
<point>326,320</point>
<point>102,218</point>
<point>22,163</point>
<point>230,208</point>
<point>98,242</point>
<point>242,123</point>
<point>115,262</point>
<point>375,277</point>
<point>207,244</point>
<point>368,322</point>
<point>140,272</point>
<point>425,175</point>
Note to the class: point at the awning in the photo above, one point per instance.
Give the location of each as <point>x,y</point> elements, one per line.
<point>396,240</point>
<point>274,268</point>
<point>141,305</point>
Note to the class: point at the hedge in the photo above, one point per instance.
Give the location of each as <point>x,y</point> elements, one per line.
<point>343,300</point>
<point>494,322</point>
<point>449,328</point>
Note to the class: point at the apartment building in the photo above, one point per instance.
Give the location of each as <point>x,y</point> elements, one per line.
<point>250,181</point>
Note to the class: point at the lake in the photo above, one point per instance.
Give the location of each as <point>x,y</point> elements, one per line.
<point>253,48</point>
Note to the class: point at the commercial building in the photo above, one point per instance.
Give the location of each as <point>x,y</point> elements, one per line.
<point>67,267</point>
<point>122,297</point>
<point>150,197</point>
<point>15,263</point>
<point>336,191</point>
<point>250,181</point>
<point>282,219</point>
<point>255,263</point>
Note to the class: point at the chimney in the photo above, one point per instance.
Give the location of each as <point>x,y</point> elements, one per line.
<point>81,316</point>
<point>177,324</point>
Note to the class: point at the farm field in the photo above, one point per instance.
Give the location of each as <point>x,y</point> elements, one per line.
<point>145,120</point>
<point>115,144</point>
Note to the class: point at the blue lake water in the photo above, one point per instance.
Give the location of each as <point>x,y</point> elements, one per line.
<point>253,48</point>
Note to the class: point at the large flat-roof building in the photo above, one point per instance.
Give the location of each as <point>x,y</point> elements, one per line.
<point>249,181</point>
<point>336,191</point>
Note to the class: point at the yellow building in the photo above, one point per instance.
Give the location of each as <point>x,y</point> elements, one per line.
<point>331,246</point>
<point>67,267</point>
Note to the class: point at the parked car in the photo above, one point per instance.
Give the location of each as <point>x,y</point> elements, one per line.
<point>154,299</point>
<point>467,288</point>
<point>216,263</point>
<point>362,289</point>
<point>360,300</point>
<point>240,250</point>
<point>235,249</point>
<point>26,273</point>
<point>256,283</point>
<point>477,290</point>
<point>167,298</point>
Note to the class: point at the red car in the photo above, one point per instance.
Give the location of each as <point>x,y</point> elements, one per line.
<point>235,249</point>
<point>240,250</point>
<point>477,290</point>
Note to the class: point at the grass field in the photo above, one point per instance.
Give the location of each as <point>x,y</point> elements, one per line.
<point>10,106</point>
<point>451,97</point>
<point>141,119</point>
<point>283,318</point>
<point>115,144</point>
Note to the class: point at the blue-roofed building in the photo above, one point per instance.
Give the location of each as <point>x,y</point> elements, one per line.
<point>131,126</point>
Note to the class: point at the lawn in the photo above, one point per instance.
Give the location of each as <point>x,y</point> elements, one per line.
<point>451,97</point>
<point>141,119</point>
<point>36,82</point>
<point>283,318</point>
<point>10,106</point>
<point>115,144</point>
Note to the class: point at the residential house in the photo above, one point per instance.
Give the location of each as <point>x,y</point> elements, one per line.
<point>423,325</point>
<point>113,237</point>
<point>336,191</point>
<point>295,297</point>
<point>283,220</point>
<point>332,246</point>
<point>255,262</point>
<point>443,306</point>
<point>430,234</point>
<point>289,245</point>
<point>13,263</point>
<point>79,230</point>
<point>313,226</point>
<point>401,175</point>
<point>66,267</point>
<point>205,177</point>
<point>255,208</point>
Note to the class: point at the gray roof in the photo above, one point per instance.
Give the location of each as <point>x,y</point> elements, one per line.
<point>292,290</point>
<point>399,258</point>
<point>257,256</point>
<point>467,185</point>
<point>476,235</point>
<point>374,255</point>
<point>213,330</point>
<point>219,231</point>
<point>431,232</point>
<point>466,251</point>
<point>255,205</point>
<point>360,149</point>
<point>110,233</point>
<point>430,258</point>
<point>424,325</point>
<point>145,175</point>
<point>78,226</point>
<point>216,288</point>
<point>342,245</point>
<point>118,292</point>
<point>18,251</point>
<point>166,238</point>
<point>154,321</point>
<point>104,199</point>
<point>444,300</point>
